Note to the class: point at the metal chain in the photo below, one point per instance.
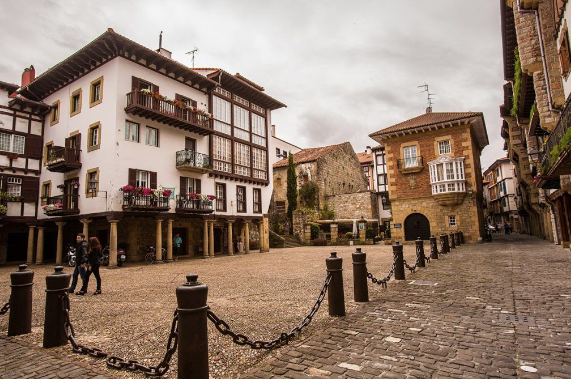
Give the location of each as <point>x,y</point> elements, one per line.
<point>383,282</point>
<point>284,338</point>
<point>117,362</point>
<point>427,259</point>
<point>411,268</point>
<point>5,308</point>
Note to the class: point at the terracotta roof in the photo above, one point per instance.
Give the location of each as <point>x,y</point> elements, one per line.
<point>10,87</point>
<point>309,155</point>
<point>365,157</point>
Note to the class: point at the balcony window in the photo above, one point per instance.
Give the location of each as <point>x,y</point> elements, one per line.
<point>131,131</point>
<point>222,154</point>
<point>444,147</point>
<point>257,200</point>
<point>152,137</point>
<point>221,197</point>
<point>381,158</point>
<point>12,143</point>
<point>259,163</point>
<point>382,183</point>
<point>241,159</point>
<point>241,199</point>
<point>410,157</point>
<point>258,130</point>
<point>143,179</point>
<point>241,123</point>
<point>447,175</point>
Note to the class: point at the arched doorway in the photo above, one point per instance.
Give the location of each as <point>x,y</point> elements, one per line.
<point>416,225</point>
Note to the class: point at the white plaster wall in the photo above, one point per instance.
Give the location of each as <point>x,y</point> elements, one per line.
<point>283,146</point>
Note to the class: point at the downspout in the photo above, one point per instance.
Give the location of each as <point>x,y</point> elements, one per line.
<point>542,48</point>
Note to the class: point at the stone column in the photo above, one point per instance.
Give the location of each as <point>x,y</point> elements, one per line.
<point>86,223</point>
<point>169,240</point>
<point>30,257</point>
<point>362,231</point>
<point>59,248</point>
<point>113,243</point>
<point>334,233</point>
<point>265,236</point>
<point>159,240</point>
<point>211,240</point>
<point>307,239</point>
<point>230,243</point>
<point>247,238</point>
<point>205,240</point>
<point>40,246</point>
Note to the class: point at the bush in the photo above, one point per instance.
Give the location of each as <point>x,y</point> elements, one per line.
<point>319,241</point>
<point>349,235</point>
<point>326,213</point>
<point>308,195</point>
<point>370,233</point>
<point>328,236</point>
<point>314,231</point>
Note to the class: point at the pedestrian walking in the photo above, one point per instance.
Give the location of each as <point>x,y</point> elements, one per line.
<point>507,228</point>
<point>80,261</point>
<point>240,245</point>
<point>177,241</point>
<point>93,264</point>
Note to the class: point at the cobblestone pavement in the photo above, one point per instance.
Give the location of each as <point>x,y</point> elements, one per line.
<point>494,311</point>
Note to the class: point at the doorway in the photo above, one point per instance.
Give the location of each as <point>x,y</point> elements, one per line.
<point>416,225</point>
<point>183,247</point>
<point>17,245</point>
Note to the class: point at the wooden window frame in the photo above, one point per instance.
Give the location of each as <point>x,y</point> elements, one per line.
<point>87,174</point>
<point>564,52</point>
<point>95,125</point>
<point>223,208</point>
<point>147,140</point>
<point>245,201</point>
<point>93,102</point>
<point>138,133</point>
<point>56,105</point>
<point>44,195</point>
<point>47,145</point>
<point>259,203</point>
<point>72,112</point>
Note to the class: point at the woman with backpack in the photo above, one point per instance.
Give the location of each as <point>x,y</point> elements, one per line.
<point>93,264</point>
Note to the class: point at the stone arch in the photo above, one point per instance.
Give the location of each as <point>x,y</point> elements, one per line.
<point>416,225</point>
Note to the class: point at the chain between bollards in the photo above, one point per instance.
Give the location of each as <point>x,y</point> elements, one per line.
<point>5,309</point>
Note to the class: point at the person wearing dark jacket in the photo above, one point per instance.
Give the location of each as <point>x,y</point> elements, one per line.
<point>80,260</point>
<point>93,264</point>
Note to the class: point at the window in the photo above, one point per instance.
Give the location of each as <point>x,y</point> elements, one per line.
<point>410,156</point>
<point>241,123</point>
<point>145,85</point>
<point>257,200</point>
<point>259,163</point>
<point>564,53</point>
<point>222,154</point>
<point>93,137</point>
<point>258,130</point>
<point>381,158</point>
<point>447,175</point>
<point>278,153</point>
<point>241,159</point>
<point>222,114</point>
<point>46,189</point>
<point>54,115</point>
<point>91,175</point>
<point>75,103</point>
<point>278,182</point>
<point>221,197</point>
<point>152,138</point>
<point>444,147</point>
<point>280,206</point>
<point>382,183</point>
<point>12,143</point>
<point>131,131</point>
<point>143,179</point>
<point>241,199</point>
<point>96,92</point>
<point>452,221</point>
<point>14,186</point>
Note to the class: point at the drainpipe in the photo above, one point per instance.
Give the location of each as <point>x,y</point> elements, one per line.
<point>542,48</point>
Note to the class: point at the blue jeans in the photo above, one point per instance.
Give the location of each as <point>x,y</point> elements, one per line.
<point>79,271</point>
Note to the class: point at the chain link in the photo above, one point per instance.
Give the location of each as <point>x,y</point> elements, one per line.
<point>411,268</point>
<point>284,338</point>
<point>117,362</point>
<point>383,282</point>
<point>5,308</point>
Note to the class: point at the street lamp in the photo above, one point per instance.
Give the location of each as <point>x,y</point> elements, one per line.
<point>534,155</point>
<point>92,187</point>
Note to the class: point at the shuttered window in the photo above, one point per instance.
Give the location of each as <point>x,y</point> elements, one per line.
<point>564,53</point>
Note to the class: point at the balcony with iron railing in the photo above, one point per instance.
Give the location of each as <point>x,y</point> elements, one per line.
<point>410,165</point>
<point>62,205</point>
<point>63,159</point>
<point>193,161</point>
<point>169,112</point>
<point>188,203</point>
<point>556,159</point>
<point>134,202</point>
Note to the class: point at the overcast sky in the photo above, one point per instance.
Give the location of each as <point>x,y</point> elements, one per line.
<point>344,68</point>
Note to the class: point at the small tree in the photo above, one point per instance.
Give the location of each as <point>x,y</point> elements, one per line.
<point>308,194</point>
<point>291,189</point>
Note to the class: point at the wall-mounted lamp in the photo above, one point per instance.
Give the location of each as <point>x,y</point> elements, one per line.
<point>92,188</point>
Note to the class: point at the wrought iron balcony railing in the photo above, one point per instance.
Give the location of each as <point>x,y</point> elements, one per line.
<point>61,205</point>
<point>190,160</point>
<point>409,165</point>
<point>63,159</point>
<point>140,202</point>
<point>186,204</point>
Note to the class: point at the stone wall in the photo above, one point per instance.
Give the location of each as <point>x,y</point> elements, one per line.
<point>354,205</point>
<point>300,219</point>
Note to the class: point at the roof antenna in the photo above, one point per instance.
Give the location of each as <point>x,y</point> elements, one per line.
<point>161,40</point>
<point>428,96</point>
<point>193,52</point>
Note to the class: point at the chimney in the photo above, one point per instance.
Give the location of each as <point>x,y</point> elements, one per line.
<point>273,130</point>
<point>28,76</point>
<point>368,150</point>
<point>161,50</point>
<point>429,110</point>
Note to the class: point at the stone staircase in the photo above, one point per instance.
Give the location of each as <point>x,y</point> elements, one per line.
<point>291,241</point>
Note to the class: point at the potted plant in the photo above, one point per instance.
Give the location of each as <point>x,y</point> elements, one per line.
<point>3,210</point>
<point>61,187</point>
<point>75,184</point>
<point>127,189</point>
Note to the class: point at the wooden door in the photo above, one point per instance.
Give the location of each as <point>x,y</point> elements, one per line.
<point>416,225</point>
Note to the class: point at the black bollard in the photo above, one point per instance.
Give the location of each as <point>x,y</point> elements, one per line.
<point>444,248</point>
<point>20,321</point>
<point>452,243</point>
<point>192,329</point>
<point>335,295</point>
<point>420,252</point>
<point>57,285</point>
<point>433,248</point>
<point>457,238</point>
<point>360,286</point>
<point>399,261</point>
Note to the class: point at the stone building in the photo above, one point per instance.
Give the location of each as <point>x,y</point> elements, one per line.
<point>434,174</point>
<point>338,174</point>
<point>500,182</point>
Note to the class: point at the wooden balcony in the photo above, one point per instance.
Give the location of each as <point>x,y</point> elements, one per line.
<point>62,205</point>
<point>134,202</point>
<point>189,160</point>
<point>185,204</point>
<point>156,109</point>
<point>410,165</point>
<point>63,159</point>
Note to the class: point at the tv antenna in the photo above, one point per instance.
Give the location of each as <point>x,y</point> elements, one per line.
<point>429,96</point>
<point>192,52</point>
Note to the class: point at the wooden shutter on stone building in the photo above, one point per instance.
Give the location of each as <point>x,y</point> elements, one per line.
<point>133,177</point>
<point>30,188</point>
<point>153,180</point>
<point>33,147</point>
<point>197,185</point>
<point>564,53</point>
<point>183,186</point>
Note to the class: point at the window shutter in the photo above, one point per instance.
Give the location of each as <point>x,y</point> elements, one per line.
<point>78,141</point>
<point>153,180</point>
<point>198,186</point>
<point>155,88</point>
<point>33,148</point>
<point>68,142</point>
<point>3,183</point>
<point>183,187</point>
<point>132,177</point>
<point>30,188</point>
<point>135,83</point>
<point>564,54</point>
<point>177,96</point>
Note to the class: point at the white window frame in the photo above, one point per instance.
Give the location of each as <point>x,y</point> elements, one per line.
<point>447,175</point>
<point>452,221</point>
<point>410,154</point>
<point>15,143</point>
<point>444,147</point>
<point>151,140</point>
<point>94,136</point>
<point>143,178</point>
<point>14,186</point>
<point>131,127</point>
